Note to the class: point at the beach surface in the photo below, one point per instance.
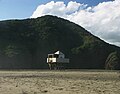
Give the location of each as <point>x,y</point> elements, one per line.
<point>59,82</point>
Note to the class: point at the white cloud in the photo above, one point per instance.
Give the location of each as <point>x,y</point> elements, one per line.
<point>102,20</point>
<point>57,9</point>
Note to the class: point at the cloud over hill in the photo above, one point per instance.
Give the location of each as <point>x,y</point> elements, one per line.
<point>102,20</point>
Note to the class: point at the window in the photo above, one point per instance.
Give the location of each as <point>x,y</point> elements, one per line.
<point>50,56</point>
<point>56,55</point>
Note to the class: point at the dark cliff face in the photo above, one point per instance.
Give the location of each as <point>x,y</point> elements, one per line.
<point>26,43</point>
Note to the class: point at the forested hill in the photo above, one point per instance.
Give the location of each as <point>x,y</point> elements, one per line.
<point>26,43</point>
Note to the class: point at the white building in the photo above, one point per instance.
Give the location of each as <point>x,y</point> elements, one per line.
<point>57,60</point>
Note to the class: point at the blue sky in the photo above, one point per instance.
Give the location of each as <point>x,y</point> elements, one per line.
<point>21,9</point>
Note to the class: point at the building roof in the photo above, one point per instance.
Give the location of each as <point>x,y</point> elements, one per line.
<point>58,52</point>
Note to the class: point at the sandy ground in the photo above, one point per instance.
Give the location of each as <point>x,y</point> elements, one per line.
<point>60,82</point>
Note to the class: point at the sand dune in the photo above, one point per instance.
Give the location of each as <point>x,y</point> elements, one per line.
<point>60,82</point>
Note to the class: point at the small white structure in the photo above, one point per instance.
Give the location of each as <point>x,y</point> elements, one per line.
<point>57,60</point>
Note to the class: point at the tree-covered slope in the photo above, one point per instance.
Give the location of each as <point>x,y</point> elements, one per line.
<point>26,43</point>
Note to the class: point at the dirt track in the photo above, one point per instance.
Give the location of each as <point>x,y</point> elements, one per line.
<point>60,82</point>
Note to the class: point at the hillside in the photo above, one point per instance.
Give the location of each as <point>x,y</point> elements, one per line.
<point>26,43</point>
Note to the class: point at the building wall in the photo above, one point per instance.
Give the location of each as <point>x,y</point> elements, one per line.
<point>59,60</point>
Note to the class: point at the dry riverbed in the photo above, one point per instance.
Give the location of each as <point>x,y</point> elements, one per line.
<point>60,82</point>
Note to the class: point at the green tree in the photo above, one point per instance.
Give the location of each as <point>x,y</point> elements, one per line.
<point>112,61</point>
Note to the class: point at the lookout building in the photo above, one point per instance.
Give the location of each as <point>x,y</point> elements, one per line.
<point>57,60</point>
